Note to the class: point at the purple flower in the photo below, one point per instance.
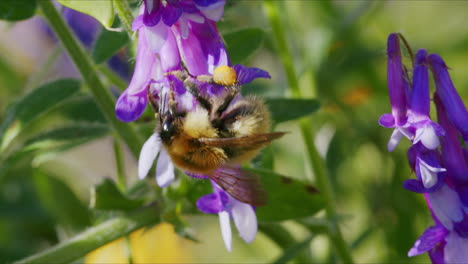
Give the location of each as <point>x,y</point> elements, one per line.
<point>244,217</point>
<point>132,102</point>
<point>426,131</point>
<point>397,89</point>
<point>448,95</point>
<point>442,172</point>
<point>168,32</point>
<point>170,11</point>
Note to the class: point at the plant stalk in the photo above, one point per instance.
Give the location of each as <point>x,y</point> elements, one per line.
<point>95,237</point>
<point>318,166</point>
<point>89,72</point>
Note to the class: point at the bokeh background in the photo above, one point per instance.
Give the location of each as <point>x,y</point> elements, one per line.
<point>339,53</point>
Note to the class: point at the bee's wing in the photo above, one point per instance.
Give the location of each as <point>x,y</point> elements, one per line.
<point>241,184</point>
<point>249,142</point>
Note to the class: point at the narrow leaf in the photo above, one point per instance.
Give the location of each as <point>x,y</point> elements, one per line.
<point>243,43</point>
<point>82,108</point>
<point>14,10</point>
<point>106,196</point>
<point>33,105</point>
<point>288,198</point>
<point>107,44</point>
<point>286,109</point>
<point>68,134</point>
<point>61,201</point>
<point>102,10</point>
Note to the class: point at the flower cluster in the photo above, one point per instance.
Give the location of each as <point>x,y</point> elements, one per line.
<point>437,155</point>
<point>177,36</point>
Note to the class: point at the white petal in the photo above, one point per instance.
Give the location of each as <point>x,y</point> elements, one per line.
<point>184,28</point>
<point>429,178</point>
<point>427,136</point>
<point>213,12</point>
<point>245,220</point>
<point>225,229</point>
<point>394,139</point>
<point>148,153</point>
<point>456,249</point>
<point>164,169</point>
<point>149,6</point>
<point>195,18</point>
<point>156,36</point>
<point>446,206</point>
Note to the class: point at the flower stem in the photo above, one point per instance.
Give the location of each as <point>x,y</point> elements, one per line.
<point>95,237</point>
<point>119,162</point>
<point>89,71</point>
<point>125,14</point>
<point>320,172</point>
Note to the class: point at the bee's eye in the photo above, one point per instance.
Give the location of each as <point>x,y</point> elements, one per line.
<point>168,129</point>
<point>167,124</point>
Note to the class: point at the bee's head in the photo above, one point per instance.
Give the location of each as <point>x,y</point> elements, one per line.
<point>168,128</point>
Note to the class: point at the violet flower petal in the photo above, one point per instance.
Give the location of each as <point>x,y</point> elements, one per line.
<point>203,49</point>
<point>396,86</point>
<point>246,75</point>
<point>210,204</point>
<point>387,120</point>
<point>446,205</point>
<point>456,110</point>
<point>129,107</point>
<point>456,249</point>
<point>428,240</point>
<point>453,157</point>
<point>152,12</point>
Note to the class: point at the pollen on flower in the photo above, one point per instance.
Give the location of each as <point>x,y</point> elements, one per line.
<point>224,75</point>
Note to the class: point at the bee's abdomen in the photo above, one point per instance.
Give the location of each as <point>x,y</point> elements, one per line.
<point>203,160</point>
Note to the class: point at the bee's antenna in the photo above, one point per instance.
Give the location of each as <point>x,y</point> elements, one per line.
<point>163,110</point>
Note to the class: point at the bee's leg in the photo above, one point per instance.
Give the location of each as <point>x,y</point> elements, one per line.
<point>193,89</point>
<point>154,104</point>
<point>232,92</point>
<point>172,103</point>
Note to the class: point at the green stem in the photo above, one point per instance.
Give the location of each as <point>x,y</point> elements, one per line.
<point>318,166</point>
<point>88,71</point>
<point>119,162</point>
<point>125,14</point>
<point>95,237</point>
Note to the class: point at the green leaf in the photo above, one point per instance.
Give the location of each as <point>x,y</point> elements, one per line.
<point>106,196</point>
<point>102,10</point>
<point>14,10</point>
<point>71,133</point>
<point>33,105</point>
<point>48,145</point>
<point>108,43</point>
<point>286,109</point>
<point>61,201</point>
<point>82,108</point>
<point>243,43</point>
<point>288,198</point>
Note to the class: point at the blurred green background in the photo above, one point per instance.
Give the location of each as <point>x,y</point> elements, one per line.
<point>339,53</point>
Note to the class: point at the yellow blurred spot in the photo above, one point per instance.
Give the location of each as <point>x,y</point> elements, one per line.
<point>357,96</point>
<point>224,75</point>
<point>159,244</point>
<point>114,252</point>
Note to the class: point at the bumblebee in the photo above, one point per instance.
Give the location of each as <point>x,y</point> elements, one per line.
<point>218,135</point>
